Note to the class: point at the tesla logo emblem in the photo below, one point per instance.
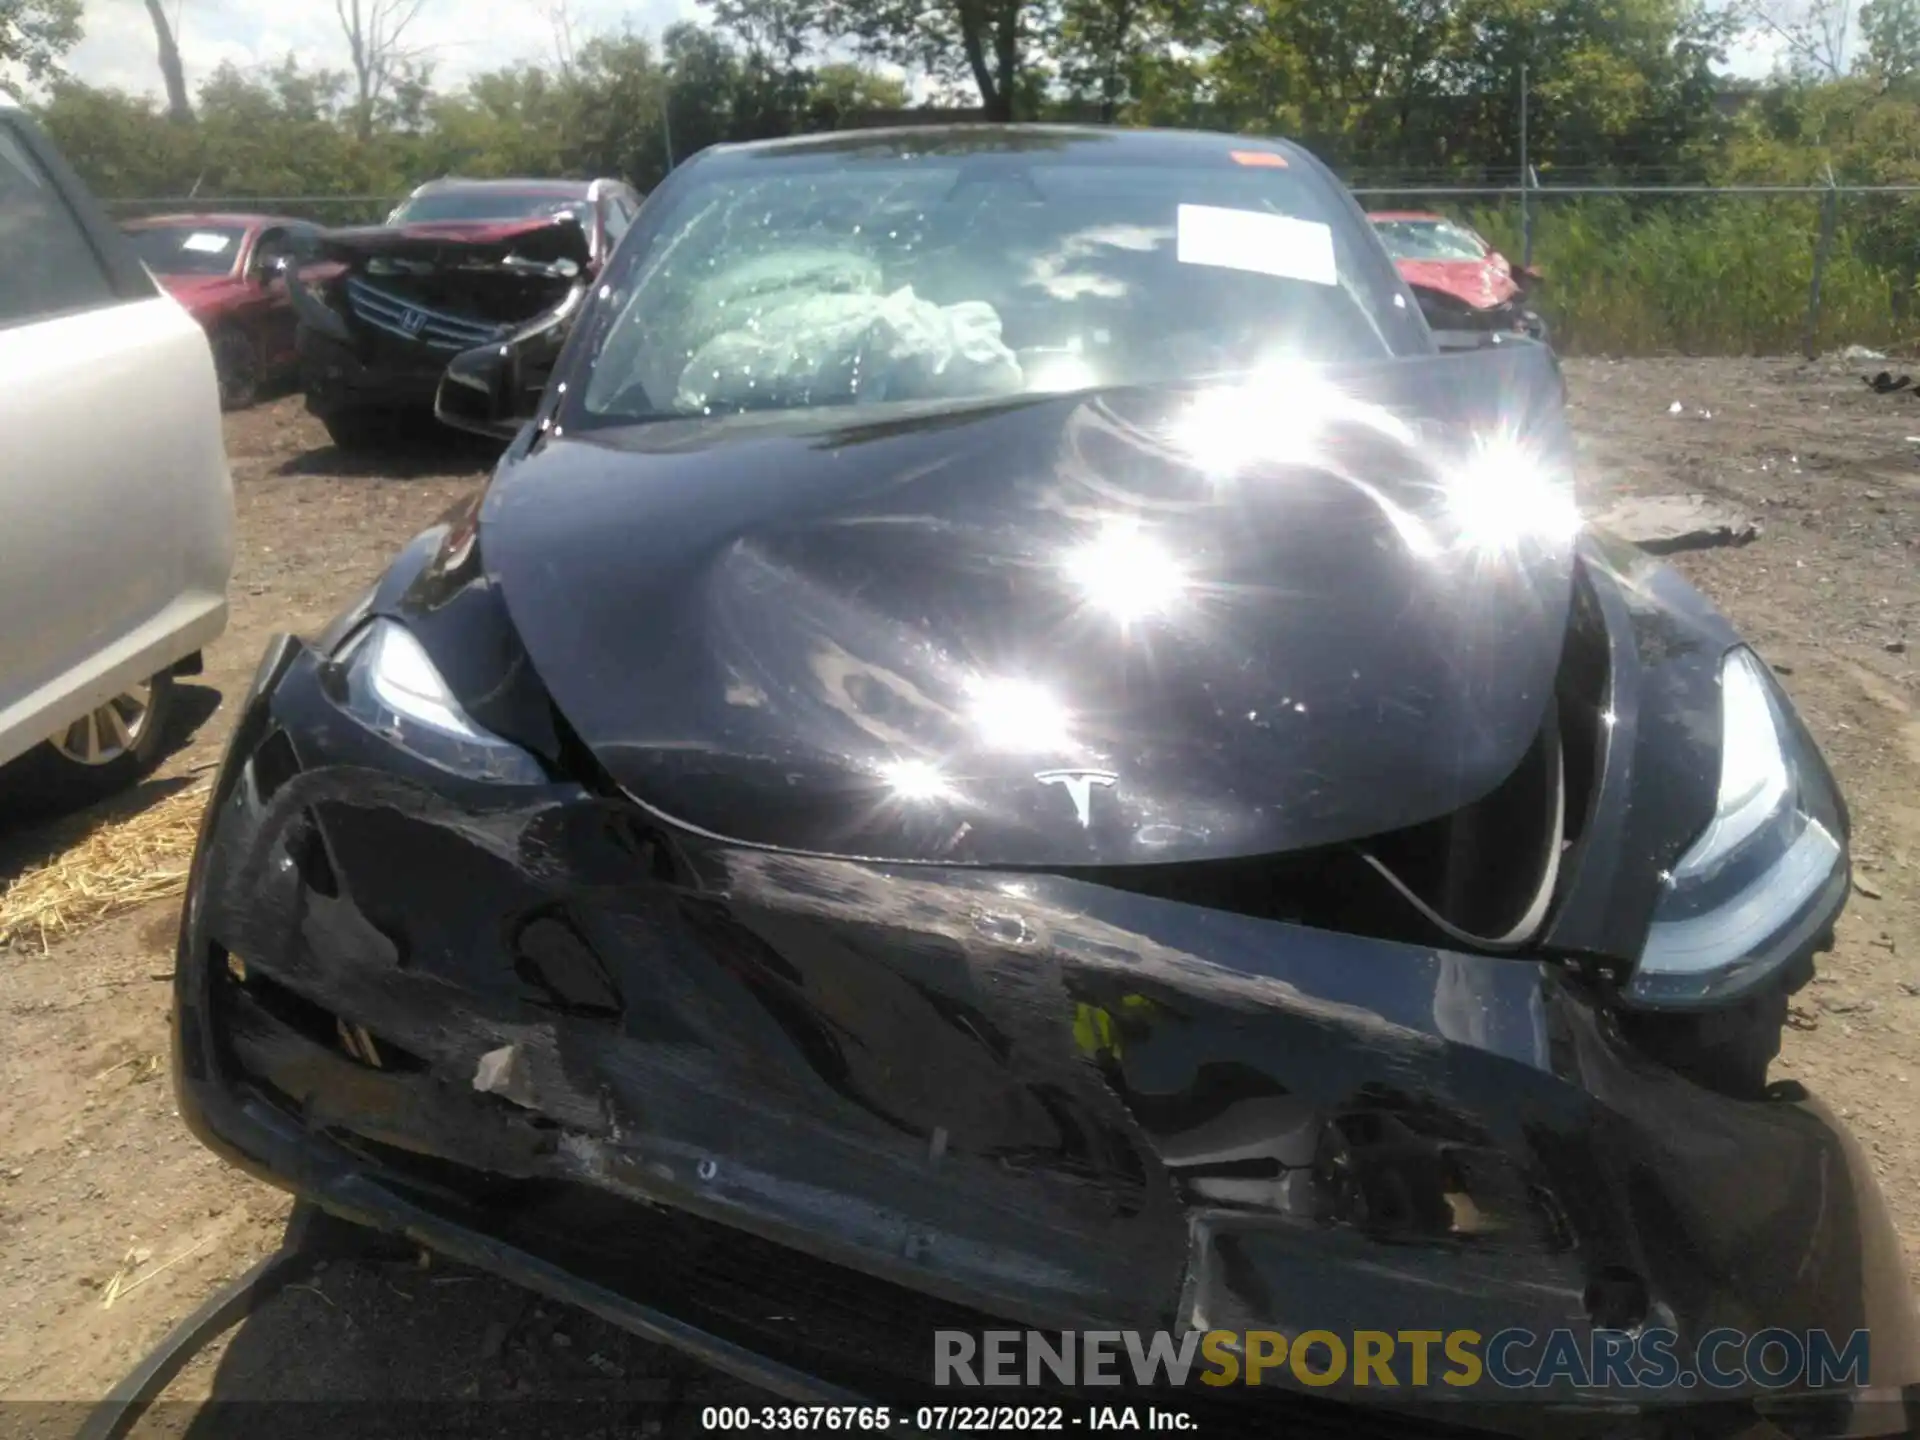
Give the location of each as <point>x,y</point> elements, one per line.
<point>412,321</point>
<point>1079,785</point>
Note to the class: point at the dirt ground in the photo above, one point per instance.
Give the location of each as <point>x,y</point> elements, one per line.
<point>98,1176</point>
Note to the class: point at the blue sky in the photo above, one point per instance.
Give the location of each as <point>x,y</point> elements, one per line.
<point>463,36</point>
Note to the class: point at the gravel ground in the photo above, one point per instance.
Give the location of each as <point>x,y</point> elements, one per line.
<point>95,1165</point>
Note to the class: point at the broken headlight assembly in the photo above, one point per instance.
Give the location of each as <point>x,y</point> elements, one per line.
<point>394,690</point>
<point>1762,884</point>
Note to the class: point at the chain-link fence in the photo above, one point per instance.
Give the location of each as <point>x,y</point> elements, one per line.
<point>1698,269</point>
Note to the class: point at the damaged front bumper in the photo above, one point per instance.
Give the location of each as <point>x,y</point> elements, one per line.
<point>796,1115</point>
<point>339,375</point>
<point>364,350</point>
<point>1448,312</point>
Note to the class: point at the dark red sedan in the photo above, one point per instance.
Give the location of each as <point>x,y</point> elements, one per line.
<point>230,273</point>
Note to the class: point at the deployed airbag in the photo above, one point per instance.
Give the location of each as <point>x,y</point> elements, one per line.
<point>818,330</point>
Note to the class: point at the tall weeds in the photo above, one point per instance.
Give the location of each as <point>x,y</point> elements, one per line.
<point>1719,275</point>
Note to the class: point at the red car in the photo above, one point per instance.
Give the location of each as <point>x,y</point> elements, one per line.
<point>230,273</point>
<point>1461,281</point>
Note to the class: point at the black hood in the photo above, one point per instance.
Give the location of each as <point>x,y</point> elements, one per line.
<point>1110,628</point>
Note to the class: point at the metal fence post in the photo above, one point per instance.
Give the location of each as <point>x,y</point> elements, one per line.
<point>1829,218</point>
<point>1529,182</point>
<point>1526,168</point>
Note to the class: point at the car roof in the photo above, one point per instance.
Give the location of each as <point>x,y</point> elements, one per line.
<point>1137,146</point>
<point>213,217</point>
<point>573,189</point>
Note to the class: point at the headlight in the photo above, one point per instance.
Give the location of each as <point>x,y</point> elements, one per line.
<point>1769,873</point>
<point>393,689</point>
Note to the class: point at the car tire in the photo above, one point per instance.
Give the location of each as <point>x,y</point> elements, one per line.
<point>359,429</point>
<point>86,762</point>
<point>236,365</point>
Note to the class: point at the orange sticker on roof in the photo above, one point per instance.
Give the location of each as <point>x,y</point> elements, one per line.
<point>1259,157</point>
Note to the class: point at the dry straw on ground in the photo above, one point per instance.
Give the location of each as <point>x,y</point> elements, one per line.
<point>116,866</point>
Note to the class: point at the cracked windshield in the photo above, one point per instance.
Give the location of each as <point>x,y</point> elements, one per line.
<point>921,278</point>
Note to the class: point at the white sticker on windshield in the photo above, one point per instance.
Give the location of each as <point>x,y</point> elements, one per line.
<point>1255,240</point>
<point>206,242</point>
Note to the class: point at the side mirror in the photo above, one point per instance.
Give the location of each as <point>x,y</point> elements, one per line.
<point>481,393</point>
<point>278,268</point>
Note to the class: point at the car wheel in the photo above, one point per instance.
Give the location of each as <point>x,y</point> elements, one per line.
<point>102,752</point>
<point>359,429</point>
<point>237,368</point>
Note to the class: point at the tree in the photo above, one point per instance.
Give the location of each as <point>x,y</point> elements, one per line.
<point>559,16</point>
<point>838,92</point>
<point>376,31</point>
<point>508,122</point>
<point>1000,46</point>
<point>1102,48</point>
<point>34,34</point>
<point>1891,29</point>
<point>119,142</point>
<point>179,107</point>
<point>1815,36</point>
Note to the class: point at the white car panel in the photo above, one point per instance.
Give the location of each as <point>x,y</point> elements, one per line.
<point>116,504</point>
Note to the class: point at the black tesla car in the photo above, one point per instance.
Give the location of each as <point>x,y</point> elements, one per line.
<point>1017,743</point>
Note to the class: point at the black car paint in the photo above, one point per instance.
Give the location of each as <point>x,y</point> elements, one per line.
<point>888,1068</point>
<point>985,1089</point>
<point>1660,752</point>
<point>819,589</point>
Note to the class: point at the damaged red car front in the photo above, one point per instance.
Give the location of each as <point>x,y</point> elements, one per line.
<point>459,265</point>
<point>1460,280</point>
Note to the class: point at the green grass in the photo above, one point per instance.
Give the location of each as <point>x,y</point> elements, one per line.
<point>1721,275</point>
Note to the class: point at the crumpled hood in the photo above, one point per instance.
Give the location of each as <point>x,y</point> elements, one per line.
<point>543,239</point>
<point>1479,283</point>
<point>1107,628</point>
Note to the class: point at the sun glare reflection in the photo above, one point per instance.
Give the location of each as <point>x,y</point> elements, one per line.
<point>1503,498</point>
<point>1278,415</point>
<point>1018,716</point>
<point>1058,374</point>
<point>916,780</point>
<point>1125,572</point>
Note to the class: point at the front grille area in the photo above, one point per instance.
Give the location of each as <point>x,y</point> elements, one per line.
<point>397,316</point>
<point>868,1335</point>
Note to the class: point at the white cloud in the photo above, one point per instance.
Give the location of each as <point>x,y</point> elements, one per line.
<point>463,37</point>
<point>1755,55</point>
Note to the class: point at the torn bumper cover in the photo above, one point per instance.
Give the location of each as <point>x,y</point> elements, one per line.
<point>385,309</point>
<point>795,1115</point>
